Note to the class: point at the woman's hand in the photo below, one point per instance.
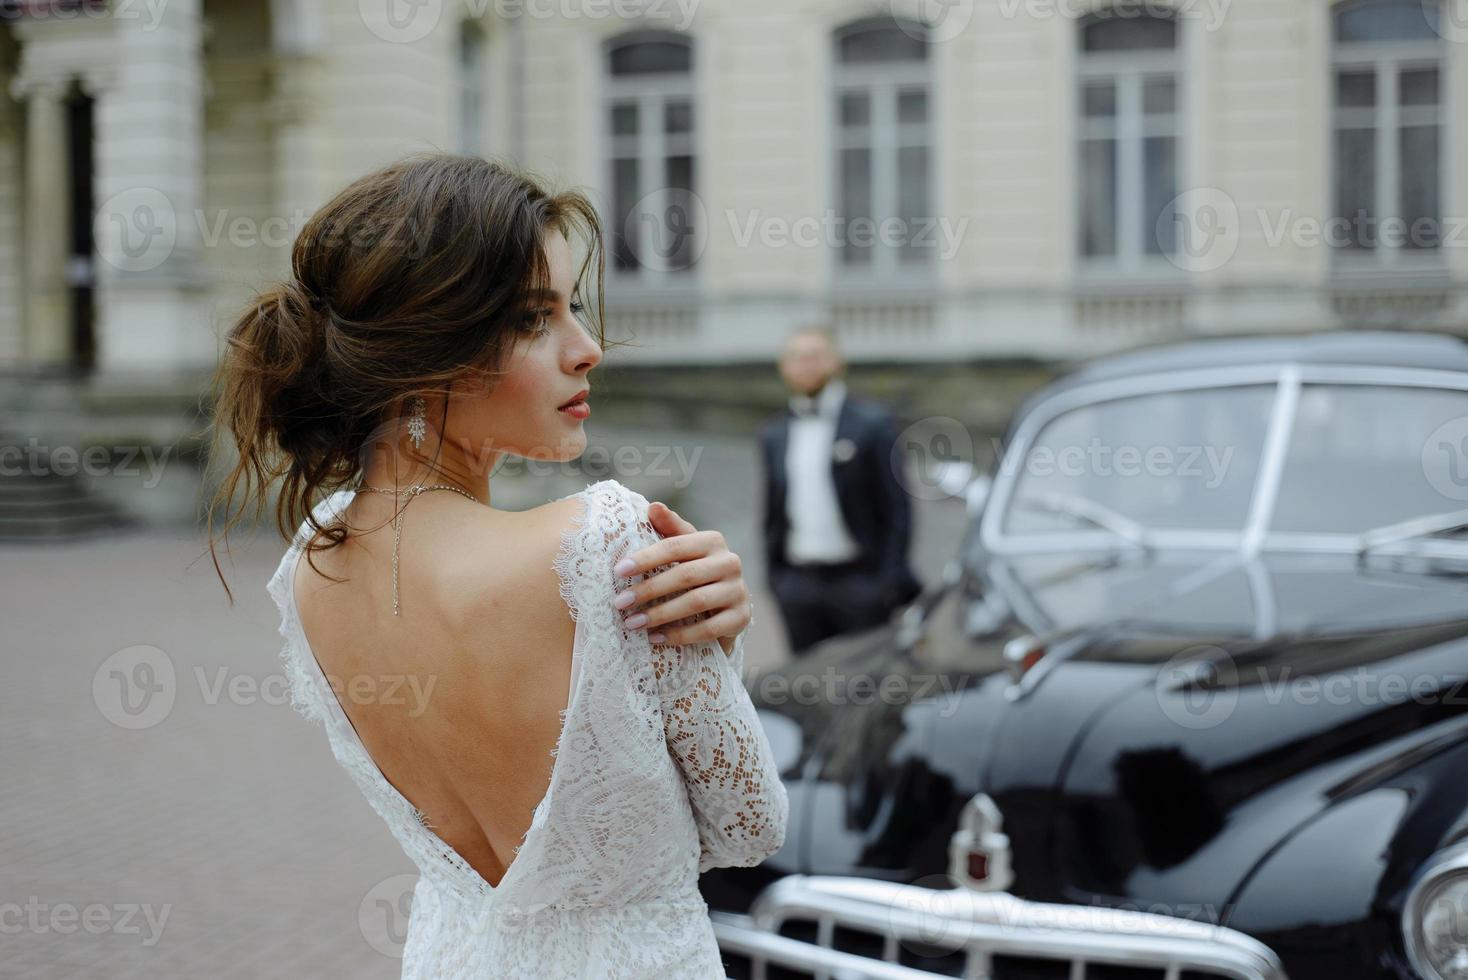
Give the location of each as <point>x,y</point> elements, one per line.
<point>707,579</point>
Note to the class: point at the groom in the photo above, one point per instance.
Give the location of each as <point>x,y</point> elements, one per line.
<point>838,519</point>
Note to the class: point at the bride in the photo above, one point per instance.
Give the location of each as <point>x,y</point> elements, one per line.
<point>545,706</point>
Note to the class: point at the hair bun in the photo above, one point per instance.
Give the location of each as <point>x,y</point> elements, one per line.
<point>307,298</point>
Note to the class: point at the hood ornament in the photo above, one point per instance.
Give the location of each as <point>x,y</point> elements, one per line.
<point>978,853</point>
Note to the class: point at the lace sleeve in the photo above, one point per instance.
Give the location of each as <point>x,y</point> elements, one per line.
<point>739,803</point>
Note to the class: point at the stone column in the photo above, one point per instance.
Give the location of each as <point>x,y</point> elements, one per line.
<point>302,145</point>
<point>46,323</point>
<point>12,272</point>
<point>152,286</point>
<point>299,97</point>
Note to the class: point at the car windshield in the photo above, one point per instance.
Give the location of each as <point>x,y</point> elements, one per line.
<point>1359,458</point>
<point>1368,456</point>
<point>1184,459</point>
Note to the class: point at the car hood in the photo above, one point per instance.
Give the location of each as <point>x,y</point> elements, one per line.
<point>1228,745</point>
<point>1158,759</point>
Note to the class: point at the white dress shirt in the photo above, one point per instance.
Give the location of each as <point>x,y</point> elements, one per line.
<point>817,532</point>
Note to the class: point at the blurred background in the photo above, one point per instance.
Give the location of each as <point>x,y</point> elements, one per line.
<point>975,195</point>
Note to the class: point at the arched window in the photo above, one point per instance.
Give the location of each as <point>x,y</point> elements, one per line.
<point>1388,127</point>
<point>1127,157</point>
<point>471,88</point>
<point>650,122</point>
<point>883,143</point>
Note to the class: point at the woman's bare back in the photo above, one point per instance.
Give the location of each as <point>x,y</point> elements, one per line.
<point>456,699</point>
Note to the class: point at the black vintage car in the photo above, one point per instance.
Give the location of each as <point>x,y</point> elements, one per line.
<point>1189,703</point>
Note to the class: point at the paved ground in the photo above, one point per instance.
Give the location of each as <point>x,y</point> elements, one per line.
<point>208,831</point>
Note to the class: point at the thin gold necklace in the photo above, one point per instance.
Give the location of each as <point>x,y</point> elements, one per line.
<point>397,521</point>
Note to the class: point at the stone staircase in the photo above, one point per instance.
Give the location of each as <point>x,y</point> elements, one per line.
<point>40,502</point>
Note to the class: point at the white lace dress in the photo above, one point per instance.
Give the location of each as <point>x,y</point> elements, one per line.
<point>662,771</point>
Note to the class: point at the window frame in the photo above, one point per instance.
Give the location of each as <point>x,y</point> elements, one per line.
<point>651,147</point>
<point>1386,60</point>
<point>1129,127</point>
<point>882,82</point>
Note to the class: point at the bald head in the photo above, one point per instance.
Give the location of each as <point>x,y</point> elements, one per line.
<point>809,359</point>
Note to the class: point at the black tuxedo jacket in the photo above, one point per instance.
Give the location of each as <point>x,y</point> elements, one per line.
<point>874,502</point>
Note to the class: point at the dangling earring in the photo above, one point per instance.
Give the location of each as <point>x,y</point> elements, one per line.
<point>417,420</point>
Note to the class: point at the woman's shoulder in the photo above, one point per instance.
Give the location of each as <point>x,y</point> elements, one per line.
<point>613,505</point>
<point>539,544</point>
<point>561,550</point>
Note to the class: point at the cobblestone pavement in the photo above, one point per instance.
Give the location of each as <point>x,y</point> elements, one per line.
<point>218,837</point>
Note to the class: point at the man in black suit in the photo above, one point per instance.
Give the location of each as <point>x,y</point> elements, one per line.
<point>838,519</point>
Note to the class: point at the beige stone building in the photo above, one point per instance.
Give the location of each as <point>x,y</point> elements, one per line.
<point>947,179</point>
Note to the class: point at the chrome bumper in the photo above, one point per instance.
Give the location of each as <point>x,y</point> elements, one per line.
<point>977,926</point>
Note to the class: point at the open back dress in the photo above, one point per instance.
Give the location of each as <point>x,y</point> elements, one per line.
<point>661,771</point>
